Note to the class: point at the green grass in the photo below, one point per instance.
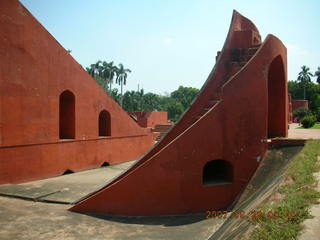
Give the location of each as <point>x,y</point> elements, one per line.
<point>316,126</point>
<point>299,194</point>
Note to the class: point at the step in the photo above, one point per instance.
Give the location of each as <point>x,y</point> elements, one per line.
<point>252,51</point>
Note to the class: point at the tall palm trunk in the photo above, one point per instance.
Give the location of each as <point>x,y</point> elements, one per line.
<point>121,101</point>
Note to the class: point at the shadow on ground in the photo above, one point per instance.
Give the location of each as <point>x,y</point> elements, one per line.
<point>159,220</point>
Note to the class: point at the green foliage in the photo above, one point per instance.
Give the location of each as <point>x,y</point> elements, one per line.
<point>185,95</point>
<point>317,75</point>
<point>308,121</point>
<point>115,95</point>
<point>312,94</point>
<point>301,112</point>
<point>304,78</point>
<point>315,126</point>
<point>104,72</point>
<point>133,101</point>
<point>175,109</point>
<point>299,195</point>
<point>175,103</point>
<point>317,115</point>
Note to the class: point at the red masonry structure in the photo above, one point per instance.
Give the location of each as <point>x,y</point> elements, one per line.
<point>299,104</point>
<point>54,117</point>
<point>209,156</point>
<point>150,119</point>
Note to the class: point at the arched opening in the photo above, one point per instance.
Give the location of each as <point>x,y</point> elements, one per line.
<point>105,164</point>
<point>67,115</point>
<point>217,172</point>
<point>277,99</point>
<point>68,171</point>
<point>104,123</point>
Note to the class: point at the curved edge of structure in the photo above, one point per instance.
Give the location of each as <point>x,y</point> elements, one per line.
<point>238,22</point>
<point>169,179</point>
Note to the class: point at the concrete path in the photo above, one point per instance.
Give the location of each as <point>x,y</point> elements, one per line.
<point>311,226</point>
<point>302,133</point>
<point>28,220</point>
<point>67,188</point>
<point>42,218</point>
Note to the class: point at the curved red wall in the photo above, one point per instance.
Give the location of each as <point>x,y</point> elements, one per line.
<point>243,102</point>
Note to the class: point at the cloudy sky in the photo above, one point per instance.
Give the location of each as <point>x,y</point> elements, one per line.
<point>168,43</point>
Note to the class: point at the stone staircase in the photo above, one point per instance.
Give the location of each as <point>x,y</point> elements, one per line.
<point>162,129</point>
<point>240,56</point>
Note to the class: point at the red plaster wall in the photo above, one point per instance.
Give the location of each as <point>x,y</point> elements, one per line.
<point>34,70</point>
<point>299,104</point>
<point>238,108</point>
<point>151,119</point>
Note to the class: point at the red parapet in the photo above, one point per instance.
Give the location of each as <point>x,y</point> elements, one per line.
<point>210,154</point>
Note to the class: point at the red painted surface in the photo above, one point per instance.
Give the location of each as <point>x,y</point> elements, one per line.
<point>300,104</point>
<point>50,107</point>
<point>243,102</point>
<point>150,119</point>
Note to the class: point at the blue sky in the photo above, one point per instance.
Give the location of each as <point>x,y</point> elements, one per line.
<point>168,43</point>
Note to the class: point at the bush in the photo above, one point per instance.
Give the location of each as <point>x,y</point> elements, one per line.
<point>301,113</point>
<point>317,114</point>
<point>308,121</point>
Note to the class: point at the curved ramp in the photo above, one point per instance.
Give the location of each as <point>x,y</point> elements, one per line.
<point>207,158</point>
<point>264,182</point>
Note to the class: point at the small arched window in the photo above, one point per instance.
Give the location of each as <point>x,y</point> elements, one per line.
<point>67,115</point>
<point>217,172</point>
<point>104,123</point>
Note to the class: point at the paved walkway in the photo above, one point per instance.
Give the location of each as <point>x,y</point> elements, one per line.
<point>43,218</point>
<point>303,133</point>
<point>38,219</point>
<point>311,226</point>
<point>28,220</point>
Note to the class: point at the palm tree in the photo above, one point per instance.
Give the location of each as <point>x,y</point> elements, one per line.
<point>101,72</point>
<point>109,71</point>
<point>94,69</point>
<point>122,74</point>
<point>317,74</point>
<point>304,78</point>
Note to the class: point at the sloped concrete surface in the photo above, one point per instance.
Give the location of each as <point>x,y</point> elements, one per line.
<point>28,220</point>
<point>67,188</point>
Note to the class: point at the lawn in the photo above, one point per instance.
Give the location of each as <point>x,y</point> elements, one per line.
<point>299,194</point>
<point>316,126</point>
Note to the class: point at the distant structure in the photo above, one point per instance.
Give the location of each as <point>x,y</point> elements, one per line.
<point>294,104</point>
<point>54,117</point>
<point>150,119</point>
<point>299,104</point>
<point>208,157</point>
<point>157,121</point>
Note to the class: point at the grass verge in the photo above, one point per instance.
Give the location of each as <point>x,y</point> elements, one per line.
<point>282,220</point>
<point>315,126</point>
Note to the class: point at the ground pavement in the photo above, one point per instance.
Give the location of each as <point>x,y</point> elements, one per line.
<point>38,210</point>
